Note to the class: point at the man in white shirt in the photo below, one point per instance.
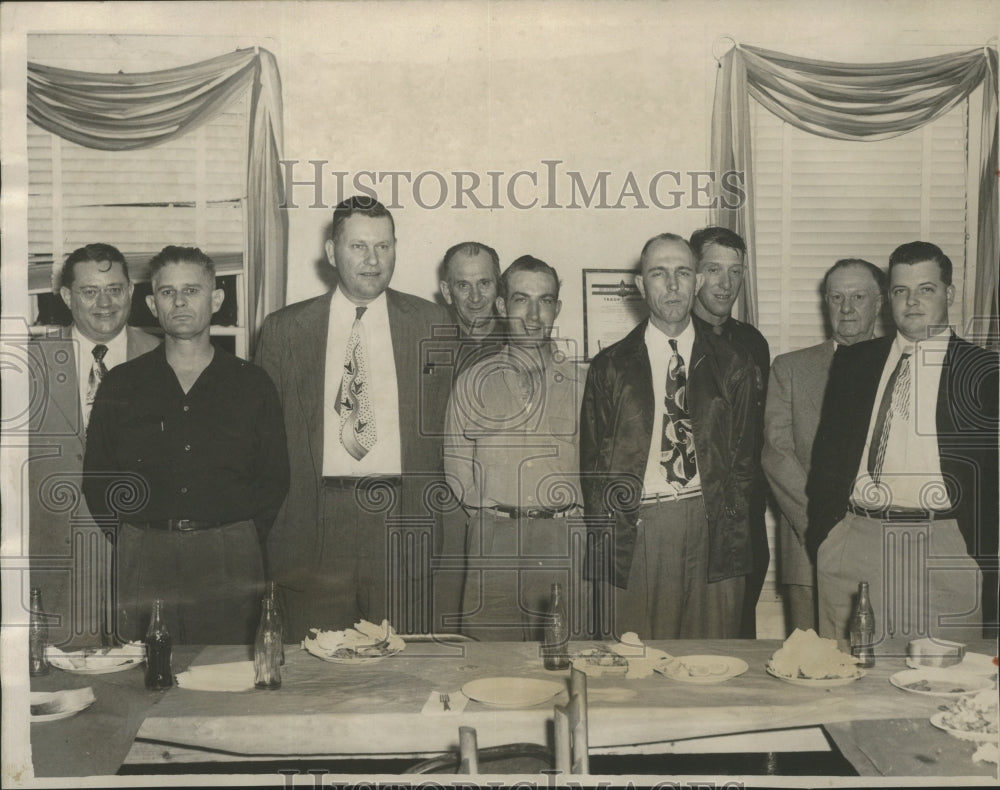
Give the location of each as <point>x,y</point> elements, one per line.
<point>903,485</point>
<point>69,558</point>
<point>364,392</point>
<point>852,292</point>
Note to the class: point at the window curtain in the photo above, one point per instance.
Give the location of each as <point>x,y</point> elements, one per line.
<point>862,102</point>
<point>121,112</point>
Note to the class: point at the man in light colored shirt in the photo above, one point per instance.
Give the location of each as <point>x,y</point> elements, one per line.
<point>70,561</point>
<point>852,292</point>
<point>364,394</point>
<point>511,456</point>
<point>666,461</point>
<point>903,485</point>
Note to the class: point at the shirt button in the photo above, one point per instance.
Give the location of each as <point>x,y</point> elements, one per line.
<point>187,408</point>
<point>187,448</point>
<point>184,490</point>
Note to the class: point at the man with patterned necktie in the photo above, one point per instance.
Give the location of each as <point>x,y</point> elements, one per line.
<point>69,561</point>
<point>904,470</point>
<point>364,395</point>
<point>666,461</point>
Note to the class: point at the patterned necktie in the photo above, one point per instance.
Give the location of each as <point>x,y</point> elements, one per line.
<point>97,373</point>
<point>677,457</point>
<point>354,405</point>
<point>895,404</point>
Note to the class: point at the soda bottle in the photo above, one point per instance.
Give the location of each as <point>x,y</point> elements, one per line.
<point>267,647</point>
<point>38,636</point>
<point>863,628</point>
<point>555,648</point>
<point>158,648</point>
<point>272,593</point>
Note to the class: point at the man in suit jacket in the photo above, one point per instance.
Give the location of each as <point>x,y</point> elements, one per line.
<point>903,485</point>
<point>852,291</point>
<point>70,559</point>
<point>670,542</point>
<point>364,412</point>
<point>721,255</point>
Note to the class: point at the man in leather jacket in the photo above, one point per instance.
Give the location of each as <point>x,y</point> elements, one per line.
<point>669,542</point>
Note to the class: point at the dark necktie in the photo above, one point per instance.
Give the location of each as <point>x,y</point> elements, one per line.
<point>895,403</point>
<point>97,373</point>
<point>357,418</point>
<point>677,457</point>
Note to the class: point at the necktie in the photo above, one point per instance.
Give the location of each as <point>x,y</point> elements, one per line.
<point>97,373</point>
<point>677,444</point>
<point>357,418</point>
<point>895,404</point>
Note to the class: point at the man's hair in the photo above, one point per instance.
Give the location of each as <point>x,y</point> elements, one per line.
<point>91,253</point>
<point>920,251</point>
<point>877,274</point>
<point>470,248</point>
<point>172,254</point>
<point>527,263</point>
<point>358,204</point>
<point>713,234</point>
<point>661,237</point>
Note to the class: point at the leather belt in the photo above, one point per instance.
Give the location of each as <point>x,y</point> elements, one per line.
<point>894,513</point>
<point>663,498</point>
<point>179,524</point>
<point>351,483</point>
<point>529,512</point>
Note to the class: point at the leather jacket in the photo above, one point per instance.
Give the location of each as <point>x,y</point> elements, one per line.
<point>616,425</point>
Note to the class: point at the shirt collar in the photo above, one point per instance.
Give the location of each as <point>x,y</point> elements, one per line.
<point>117,346</point>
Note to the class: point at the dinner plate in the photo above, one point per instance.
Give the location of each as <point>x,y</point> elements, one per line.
<point>817,682</point>
<point>702,669</point>
<point>395,646</point>
<point>512,692</point>
<point>937,682</point>
<point>97,661</point>
<point>966,735</point>
<point>57,705</point>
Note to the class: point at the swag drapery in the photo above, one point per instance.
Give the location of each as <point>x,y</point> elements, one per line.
<point>121,112</point>
<point>862,102</point>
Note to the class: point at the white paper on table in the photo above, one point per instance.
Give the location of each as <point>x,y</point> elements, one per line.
<point>435,707</point>
<point>232,676</point>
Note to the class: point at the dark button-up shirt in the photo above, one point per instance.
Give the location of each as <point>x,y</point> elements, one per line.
<point>215,453</point>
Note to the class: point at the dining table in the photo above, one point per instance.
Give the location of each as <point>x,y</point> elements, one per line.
<point>395,708</point>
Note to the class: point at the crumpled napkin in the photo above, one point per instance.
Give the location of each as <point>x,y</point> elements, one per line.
<point>435,707</point>
<point>358,640</point>
<point>232,676</point>
<point>641,658</point>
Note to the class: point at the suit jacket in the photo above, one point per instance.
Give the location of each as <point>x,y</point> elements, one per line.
<point>791,417</point>
<point>292,350</point>
<point>616,426</point>
<point>967,425</point>
<point>55,469</point>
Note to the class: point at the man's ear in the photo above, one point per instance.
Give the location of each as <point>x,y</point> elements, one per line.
<point>151,304</point>
<point>218,297</point>
<point>66,295</point>
<point>641,285</point>
<point>445,292</point>
<point>501,307</point>
<point>329,247</point>
<point>699,281</point>
<point>558,307</point>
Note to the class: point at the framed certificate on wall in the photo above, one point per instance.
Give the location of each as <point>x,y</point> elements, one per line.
<point>612,306</point>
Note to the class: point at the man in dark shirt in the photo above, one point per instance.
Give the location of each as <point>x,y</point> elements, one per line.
<point>721,257</point>
<point>187,463</point>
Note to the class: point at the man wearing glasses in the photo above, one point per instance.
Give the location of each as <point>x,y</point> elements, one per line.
<point>97,290</point>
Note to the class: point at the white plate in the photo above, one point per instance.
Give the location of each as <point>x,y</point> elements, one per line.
<point>702,669</point>
<point>820,683</point>
<point>396,644</point>
<point>512,692</point>
<point>62,704</point>
<point>949,683</point>
<point>938,721</point>
<point>97,661</point>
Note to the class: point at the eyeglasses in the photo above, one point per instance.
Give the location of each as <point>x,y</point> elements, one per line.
<point>90,293</point>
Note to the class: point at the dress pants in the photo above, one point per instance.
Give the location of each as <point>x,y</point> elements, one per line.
<point>921,579</point>
<point>668,594</point>
<point>211,582</point>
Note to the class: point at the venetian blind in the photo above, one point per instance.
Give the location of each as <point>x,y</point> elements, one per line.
<point>819,200</point>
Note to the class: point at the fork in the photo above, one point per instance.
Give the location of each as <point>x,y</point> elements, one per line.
<point>445,701</point>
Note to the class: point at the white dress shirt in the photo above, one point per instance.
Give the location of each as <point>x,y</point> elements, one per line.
<point>659,351</point>
<point>84,347</point>
<point>384,458</point>
<point>911,471</point>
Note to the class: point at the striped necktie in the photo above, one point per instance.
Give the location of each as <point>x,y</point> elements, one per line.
<point>97,373</point>
<point>895,404</point>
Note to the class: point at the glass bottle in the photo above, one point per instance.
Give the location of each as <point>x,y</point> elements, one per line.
<point>555,648</point>
<point>158,648</point>
<point>863,628</point>
<point>267,647</point>
<point>279,613</point>
<point>38,636</point>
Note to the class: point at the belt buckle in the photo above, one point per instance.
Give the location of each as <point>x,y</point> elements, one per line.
<point>183,525</point>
